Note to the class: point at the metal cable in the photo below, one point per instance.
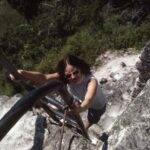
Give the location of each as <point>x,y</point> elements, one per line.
<point>62,129</point>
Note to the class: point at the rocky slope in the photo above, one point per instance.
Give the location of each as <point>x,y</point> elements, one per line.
<point>124,126</point>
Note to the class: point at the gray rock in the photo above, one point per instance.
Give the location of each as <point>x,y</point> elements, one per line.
<point>103,81</point>
<point>124,126</point>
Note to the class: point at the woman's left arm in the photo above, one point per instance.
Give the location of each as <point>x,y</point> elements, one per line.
<point>90,93</point>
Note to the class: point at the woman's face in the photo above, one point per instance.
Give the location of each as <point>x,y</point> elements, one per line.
<point>73,74</point>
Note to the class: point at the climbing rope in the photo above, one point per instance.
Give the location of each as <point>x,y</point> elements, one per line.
<point>63,124</point>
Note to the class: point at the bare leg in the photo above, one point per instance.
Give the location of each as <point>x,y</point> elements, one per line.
<point>87,125</point>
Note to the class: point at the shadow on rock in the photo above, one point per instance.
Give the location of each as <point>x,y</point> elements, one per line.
<point>39,133</point>
<point>104,138</point>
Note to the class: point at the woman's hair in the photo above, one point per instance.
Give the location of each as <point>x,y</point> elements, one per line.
<point>74,61</point>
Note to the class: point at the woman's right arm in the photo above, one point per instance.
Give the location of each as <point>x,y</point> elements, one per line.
<point>37,77</point>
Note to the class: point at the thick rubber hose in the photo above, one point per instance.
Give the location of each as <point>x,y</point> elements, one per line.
<point>24,104</point>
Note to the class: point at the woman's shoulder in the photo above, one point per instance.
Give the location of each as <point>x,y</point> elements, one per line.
<point>89,77</point>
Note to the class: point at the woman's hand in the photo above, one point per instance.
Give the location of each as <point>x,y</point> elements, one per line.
<point>11,77</point>
<point>15,79</point>
<point>75,107</point>
<point>75,104</point>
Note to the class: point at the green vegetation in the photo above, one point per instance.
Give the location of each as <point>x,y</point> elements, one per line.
<point>84,28</point>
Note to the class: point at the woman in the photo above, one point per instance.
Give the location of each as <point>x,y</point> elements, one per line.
<point>80,83</point>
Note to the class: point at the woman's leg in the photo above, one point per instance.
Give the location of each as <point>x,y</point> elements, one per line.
<point>87,125</point>
<point>94,116</point>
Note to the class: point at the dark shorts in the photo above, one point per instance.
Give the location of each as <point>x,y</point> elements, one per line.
<point>94,115</point>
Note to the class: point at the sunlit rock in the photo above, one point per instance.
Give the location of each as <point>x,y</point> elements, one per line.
<point>124,126</point>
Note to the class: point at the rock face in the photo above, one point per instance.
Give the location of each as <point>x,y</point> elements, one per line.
<point>124,126</point>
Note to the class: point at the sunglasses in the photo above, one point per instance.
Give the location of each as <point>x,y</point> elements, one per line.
<point>68,76</point>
